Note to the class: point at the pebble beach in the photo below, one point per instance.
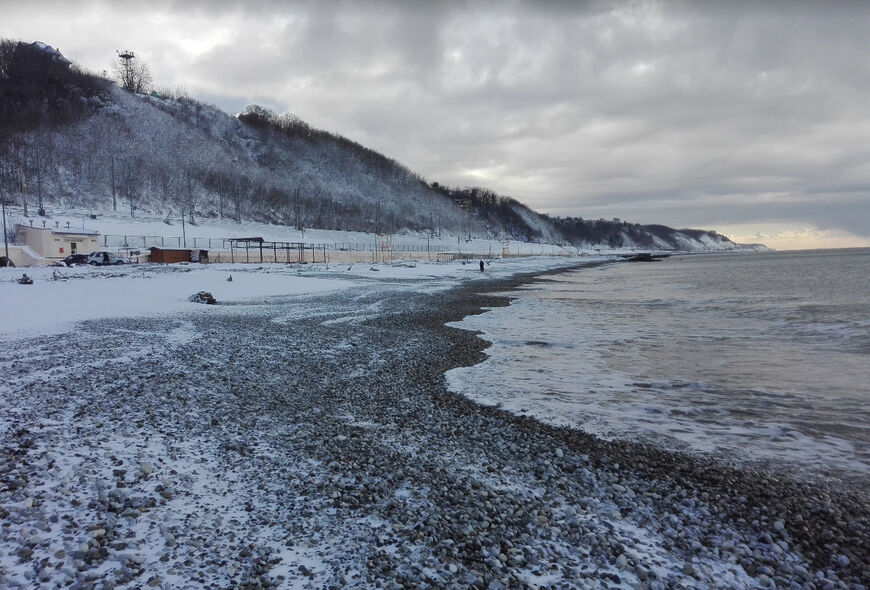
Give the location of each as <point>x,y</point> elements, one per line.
<point>311,442</point>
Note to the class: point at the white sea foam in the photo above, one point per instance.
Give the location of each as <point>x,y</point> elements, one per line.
<point>669,354</point>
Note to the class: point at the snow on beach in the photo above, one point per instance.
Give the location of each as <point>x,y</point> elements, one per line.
<point>299,435</point>
<point>62,296</point>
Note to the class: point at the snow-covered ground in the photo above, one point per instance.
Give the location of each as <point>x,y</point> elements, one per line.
<point>61,296</point>
<point>299,435</point>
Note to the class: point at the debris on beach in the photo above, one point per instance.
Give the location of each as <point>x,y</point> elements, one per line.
<point>202,297</point>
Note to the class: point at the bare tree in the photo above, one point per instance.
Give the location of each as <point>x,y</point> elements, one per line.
<point>132,73</point>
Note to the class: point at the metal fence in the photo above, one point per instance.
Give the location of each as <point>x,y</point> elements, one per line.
<point>221,250</point>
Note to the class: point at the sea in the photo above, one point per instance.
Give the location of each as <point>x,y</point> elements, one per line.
<point>757,358</point>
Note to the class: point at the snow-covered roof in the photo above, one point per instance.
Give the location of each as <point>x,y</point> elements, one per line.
<point>77,232</point>
<point>173,248</point>
<point>60,231</point>
<point>54,53</point>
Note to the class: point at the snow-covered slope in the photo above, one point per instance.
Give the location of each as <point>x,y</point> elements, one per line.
<point>78,141</point>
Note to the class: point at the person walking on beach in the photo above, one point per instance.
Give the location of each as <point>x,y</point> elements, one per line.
<point>481,266</point>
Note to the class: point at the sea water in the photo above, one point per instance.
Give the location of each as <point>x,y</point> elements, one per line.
<point>761,357</point>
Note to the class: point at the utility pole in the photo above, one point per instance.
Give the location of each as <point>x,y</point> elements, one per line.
<point>5,242</point>
<point>130,189</point>
<point>40,209</point>
<point>114,198</point>
<point>237,197</point>
<point>188,177</point>
<point>4,174</point>
<point>297,205</point>
<point>220,182</point>
<point>378,215</point>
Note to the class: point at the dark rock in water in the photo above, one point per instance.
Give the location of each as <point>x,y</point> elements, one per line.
<point>644,257</point>
<point>202,297</point>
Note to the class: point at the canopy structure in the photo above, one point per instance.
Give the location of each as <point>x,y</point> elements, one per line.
<point>290,251</point>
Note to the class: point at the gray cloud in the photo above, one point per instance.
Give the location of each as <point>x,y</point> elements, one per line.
<point>677,112</point>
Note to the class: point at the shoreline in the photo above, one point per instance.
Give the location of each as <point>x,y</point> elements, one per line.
<point>727,480</point>
<point>329,452</point>
<point>773,465</point>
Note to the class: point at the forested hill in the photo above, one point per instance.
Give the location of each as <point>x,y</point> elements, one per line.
<point>70,139</point>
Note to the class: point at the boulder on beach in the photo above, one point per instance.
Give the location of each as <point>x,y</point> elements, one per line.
<point>202,297</point>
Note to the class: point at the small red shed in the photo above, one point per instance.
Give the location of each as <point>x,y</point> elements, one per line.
<point>170,255</point>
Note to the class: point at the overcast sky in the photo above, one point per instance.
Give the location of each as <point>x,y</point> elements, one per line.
<point>754,122</point>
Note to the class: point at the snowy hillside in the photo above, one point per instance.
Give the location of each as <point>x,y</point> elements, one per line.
<point>75,141</point>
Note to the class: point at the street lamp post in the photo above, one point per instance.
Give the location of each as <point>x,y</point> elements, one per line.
<point>4,176</point>
<point>114,198</point>
<point>9,175</point>
<point>5,242</point>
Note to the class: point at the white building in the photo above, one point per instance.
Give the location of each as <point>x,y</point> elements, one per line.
<point>56,243</point>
